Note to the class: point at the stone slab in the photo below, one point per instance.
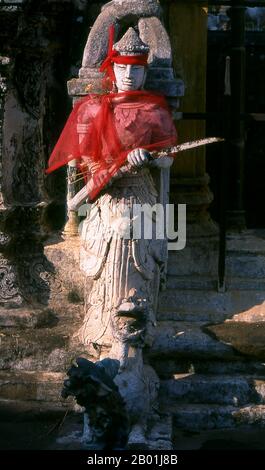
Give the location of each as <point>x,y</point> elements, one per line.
<point>227,304</point>
<point>64,256</point>
<point>46,348</point>
<point>26,318</point>
<point>200,417</point>
<point>191,316</point>
<point>194,259</point>
<point>245,337</point>
<point>188,340</point>
<point>246,265</point>
<point>168,367</point>
<point>39,386</point>
<point>248,241</point>
<point>221,389</point>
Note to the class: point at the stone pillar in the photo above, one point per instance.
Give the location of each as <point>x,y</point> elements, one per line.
<point>189,181</point>
<point>9,289</point>
<point>27,98</point>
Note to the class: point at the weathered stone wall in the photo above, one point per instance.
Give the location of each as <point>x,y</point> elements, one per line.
<point>39,53</point>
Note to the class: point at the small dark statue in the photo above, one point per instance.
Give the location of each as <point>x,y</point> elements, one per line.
<point>106,419</point>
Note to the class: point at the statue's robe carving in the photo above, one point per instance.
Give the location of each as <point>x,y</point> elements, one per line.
<point>126,271</point>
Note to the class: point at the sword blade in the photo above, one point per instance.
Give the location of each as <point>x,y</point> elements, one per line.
<point>188,146</point>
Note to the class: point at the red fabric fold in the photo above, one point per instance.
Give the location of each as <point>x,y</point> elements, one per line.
<point>91,135</point>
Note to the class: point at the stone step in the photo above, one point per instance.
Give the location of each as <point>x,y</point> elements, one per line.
<point>209,389</point>
<point>26,317</point>
<point>194,260</point>
<point>254,314</point>
<point>35,386</point>
<point>245,283</point>
<point>32,350</point>
<point>225,304</point>
<point>167,367</point>
<point>30,410</point>
<point>191,316</point>
<point>228,341</point>
<point>189,340</point>
<point>191,282</point>
<point>206,283</point>
<point>201,417</point>
<point>240,438</point>
<point>247,242</point>
<point>50,349</point>
<point>246,337</point>
<point>249,265</point>
<point>246,255</point>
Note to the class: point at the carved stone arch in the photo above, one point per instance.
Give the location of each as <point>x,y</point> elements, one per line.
<point>145,15</point>
<point>115,12</point>
<point>153,33</point>
<point>160,75</point>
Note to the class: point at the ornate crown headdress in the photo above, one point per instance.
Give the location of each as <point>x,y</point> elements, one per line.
<point>129,50</point>
<point>131,44</point>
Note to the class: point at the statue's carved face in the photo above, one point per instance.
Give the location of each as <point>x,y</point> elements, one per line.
<point>129,77</point>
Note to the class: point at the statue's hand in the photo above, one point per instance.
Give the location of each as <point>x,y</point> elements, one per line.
<point>138,157</point>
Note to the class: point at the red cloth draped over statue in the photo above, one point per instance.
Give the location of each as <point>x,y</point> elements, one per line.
<point>94,137</point>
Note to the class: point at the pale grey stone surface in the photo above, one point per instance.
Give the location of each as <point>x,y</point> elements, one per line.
<point>25,318</point>
<point>131,43</point>
<point>153,33</point>
<point>226,389</point>
<point>146,17</point>
<point>113,13</point>
<point>183,339</point>
<point>39,386</point>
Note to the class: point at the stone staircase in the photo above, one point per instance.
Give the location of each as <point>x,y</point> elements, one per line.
<point>33,363</point>
<point>210,347</point>
<point>36,342</point>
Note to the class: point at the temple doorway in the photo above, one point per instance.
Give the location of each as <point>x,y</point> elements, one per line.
<point>243,182</point>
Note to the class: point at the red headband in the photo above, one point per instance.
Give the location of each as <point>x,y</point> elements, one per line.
<point>114,57</point>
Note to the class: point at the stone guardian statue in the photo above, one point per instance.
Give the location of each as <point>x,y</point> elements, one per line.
<point>112,137</point>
